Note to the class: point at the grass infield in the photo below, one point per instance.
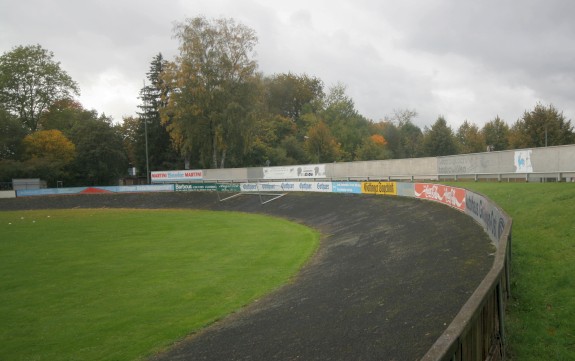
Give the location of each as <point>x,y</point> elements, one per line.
<point>541,313</point>
<point>111,284</point>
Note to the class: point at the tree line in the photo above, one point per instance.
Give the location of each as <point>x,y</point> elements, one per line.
<point>211,108</point>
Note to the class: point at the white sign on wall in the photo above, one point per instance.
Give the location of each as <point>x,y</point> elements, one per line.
<point>295,171</point>
<point>522,161</point>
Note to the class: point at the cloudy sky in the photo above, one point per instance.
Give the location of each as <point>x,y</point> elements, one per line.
<point>464,60</point>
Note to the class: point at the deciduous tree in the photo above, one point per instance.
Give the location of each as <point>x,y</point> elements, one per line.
<point>210,108</point>
<point>30,81</point>
<point>470,139</point>
<point>50,144</point>
<point>540,127</point>
<point>321,144</point>
<point>12,132</point>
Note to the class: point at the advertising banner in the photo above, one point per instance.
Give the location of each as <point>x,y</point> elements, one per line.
<point>405,190</point>
<point>177,176</point>
<point>196,187</point>
<point>486,214</point>
<point>453,197</point>
<point>295,171</point>
<point>346,187</point>
<point>313,186</point>
<point>249,187</point>
<point>96,190</point>
<point>286,187</point>
<point>522,161</point>
<point>386,188</point>
<point>228,187</point>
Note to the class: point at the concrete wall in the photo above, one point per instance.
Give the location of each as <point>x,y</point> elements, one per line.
<point>530,164</point>
<point>396,168</point>
<point>549,160</point>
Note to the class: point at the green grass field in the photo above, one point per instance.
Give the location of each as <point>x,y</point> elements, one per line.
<point>541,313</point>
<point>124,284</point>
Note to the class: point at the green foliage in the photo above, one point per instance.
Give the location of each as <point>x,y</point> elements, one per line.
<point>123,284</point>
<point>350,129</point>
<point>31,81</point>
<point>543,126</point>
<point>101,158</point>
<point>212,91</point>
<point>439,140</point>
<point>162,155</point>
<point>12,132</point>
<point>496,134</point>
<point>470,139</point>
<point>373,148</point>
<point>289,94</point>
<point>408,142</point>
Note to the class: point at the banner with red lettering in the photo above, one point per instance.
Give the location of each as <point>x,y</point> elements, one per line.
<point>454,197</point>
<point>177,176</point>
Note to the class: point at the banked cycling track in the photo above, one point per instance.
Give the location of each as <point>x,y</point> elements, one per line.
<point>389,276</point>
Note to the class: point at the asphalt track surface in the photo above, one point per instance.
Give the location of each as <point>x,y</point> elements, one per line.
<point>389,276</point>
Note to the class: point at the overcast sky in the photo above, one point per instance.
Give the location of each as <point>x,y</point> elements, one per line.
<point>464,60</point>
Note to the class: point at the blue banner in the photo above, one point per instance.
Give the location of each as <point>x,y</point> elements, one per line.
<point>346,187</point>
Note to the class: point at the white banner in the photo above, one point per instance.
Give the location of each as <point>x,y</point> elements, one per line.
<point>522,161</point>
<point>295,171</point>
<point>287,187</point>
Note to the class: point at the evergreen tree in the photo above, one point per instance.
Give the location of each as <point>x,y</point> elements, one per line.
<point>439,140</point>
<point>161,153</point>
<point>496,134</point>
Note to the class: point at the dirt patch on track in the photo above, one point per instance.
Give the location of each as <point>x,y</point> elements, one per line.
<point>390,275</point>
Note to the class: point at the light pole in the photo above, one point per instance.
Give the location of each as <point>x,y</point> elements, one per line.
<point>146,134</point>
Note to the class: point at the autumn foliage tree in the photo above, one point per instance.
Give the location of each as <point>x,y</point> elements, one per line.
<point>212,90</point>
<point>50,144</point>
<point>321,145</point>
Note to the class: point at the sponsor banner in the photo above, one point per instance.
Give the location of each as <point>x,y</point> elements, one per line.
<point>139,188</point>
<point>314,186</point>
<point>249,187</point>
<point>48,191</point>
<point>486,214</point>
<point>196,187</point>
<point>228,187</point>
<point>405,190</point>
<point>453,197</point>
<point>296,171</point>
<point>387,188</point>
<point>522,161</point>
<point>286,187</point>
<point>96,190</point>
<point>7,194</point>
<point>177,176</point>
<point>270,187</point>
<point>346,187</point>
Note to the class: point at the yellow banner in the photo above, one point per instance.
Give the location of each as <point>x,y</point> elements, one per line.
<point>387,188</point>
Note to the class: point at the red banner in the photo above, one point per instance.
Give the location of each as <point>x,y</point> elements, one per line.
<point>453,197</point>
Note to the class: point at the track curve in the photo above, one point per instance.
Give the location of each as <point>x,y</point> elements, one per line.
<point>389,276</point>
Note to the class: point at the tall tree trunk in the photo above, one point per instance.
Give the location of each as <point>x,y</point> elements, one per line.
<point>223,159</point>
